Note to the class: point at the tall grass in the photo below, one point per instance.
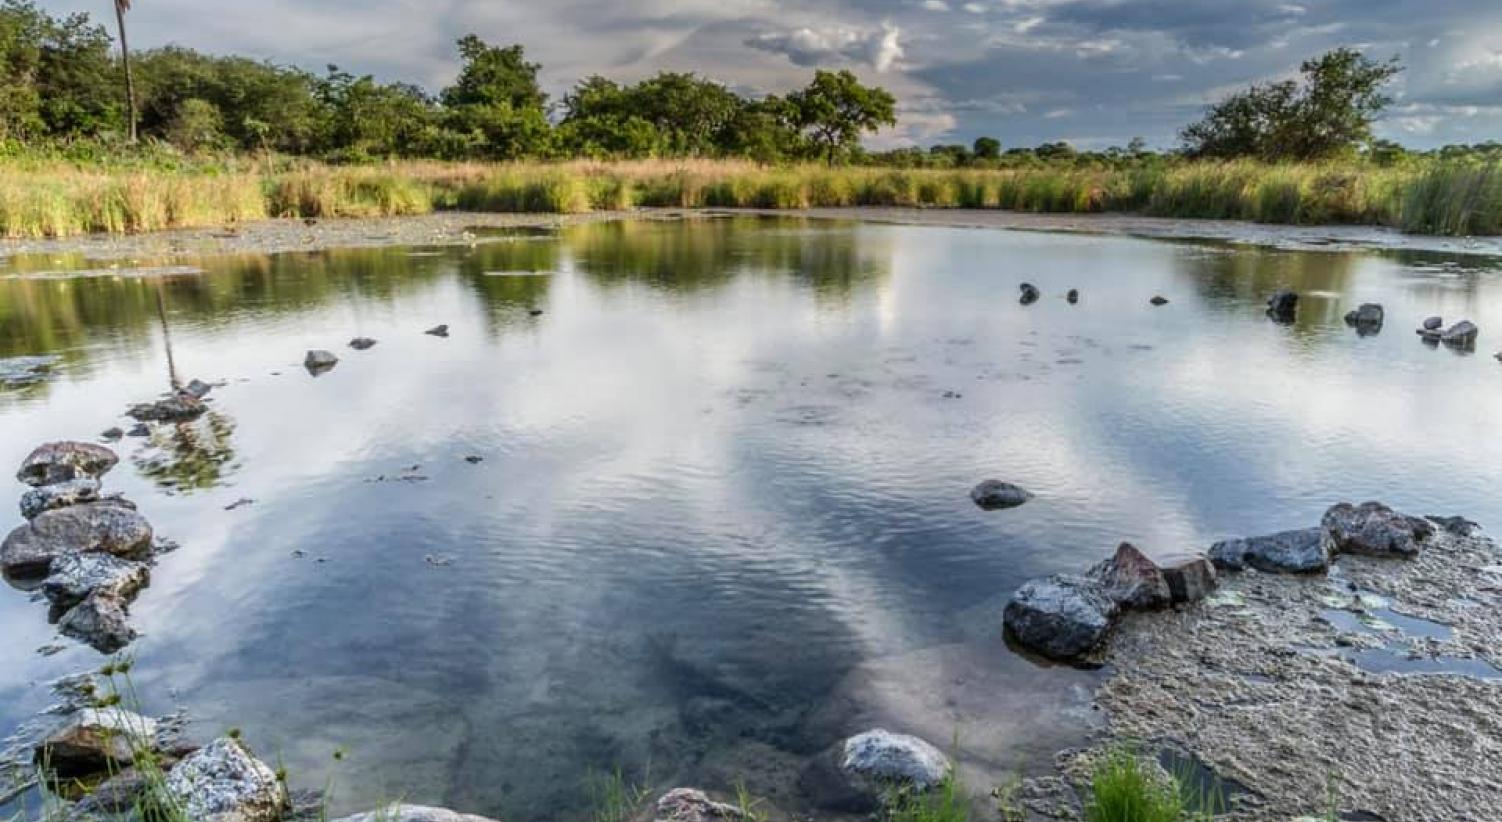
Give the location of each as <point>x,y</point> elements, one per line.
<point>59,199</point>
<point>1125,789</point>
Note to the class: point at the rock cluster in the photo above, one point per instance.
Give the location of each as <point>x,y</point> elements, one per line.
<point>1370,529</point>
<point>1068,617</point>
<point>85,552</point>
<point>1367,320</point>
<point>1461,335</point>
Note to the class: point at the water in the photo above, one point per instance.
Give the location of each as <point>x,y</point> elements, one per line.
<point>722,517</point>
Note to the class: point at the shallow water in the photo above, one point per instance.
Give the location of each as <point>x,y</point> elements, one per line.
<point>722,516</point>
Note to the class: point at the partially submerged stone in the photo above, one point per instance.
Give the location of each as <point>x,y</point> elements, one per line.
<point>318,361</point>
<point>56,462</point>
<point>1283,305</point>
<point>16,372</point>
<point>1460,335</point>
<point>1132,580</point>
<point>438,331</point>
<point>1287,552</point>
<point>1073,296</point>
<point>693,805</point>
<point>1433,323</point>
<point>222,782</point>
<point>59,495</point>
<point>103,526</point>
<point>1159,300</point>
<point>995,495</point>
<point>1030,294</point>
<point>362,343</point>
<point>101,621</point>
<point>198,389</point>
<point>399,812</point>
<point>1373,529</point>
<point>94,740</point>
<point>891,759</point>
<point>1190,576</point>
<point>1367,319</point>
<point>74,577</point>
<point>1062,617</point>
<point>179,407</point>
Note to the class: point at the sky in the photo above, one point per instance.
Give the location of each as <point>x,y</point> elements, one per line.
<point>1093,72</point>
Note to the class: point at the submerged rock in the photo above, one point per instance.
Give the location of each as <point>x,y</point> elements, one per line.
<point>222,782</point>
<point>16,372</point>
<point>74,577</point>
<point>438,331</point>
<point>100,621</point>
<point>62,461</point>
<point>693,805</point>
<point>319,361</point>
<point>1283,305</point>
<point>1063,617</point>
<point>1373,529</point>
<point>1159,300</point>
<point>1073,296</point>
<point>105,526</point>
<point>1367,319</point>
<point>1030,294</point>
<point>399,812</point>
<point>362,343</point>
<point>1132,580</point>
<point>1287,552</point>
<point>198,389</point>
<point>994,495</point>
<point>179,407</point>
<point>94,740</point>
<point>59,495</point>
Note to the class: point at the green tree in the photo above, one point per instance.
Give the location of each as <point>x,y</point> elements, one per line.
<point>836,109</point>
<point>366,119</point>
<point>497,101</point>
<point>58,78</point>
<point>261,105</point>
<point>197,125</point>
<point>987,148</point>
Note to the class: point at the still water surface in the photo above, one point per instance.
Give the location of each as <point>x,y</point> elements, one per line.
<point>721,518</point>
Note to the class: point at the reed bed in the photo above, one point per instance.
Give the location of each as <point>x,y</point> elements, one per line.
<point>1452,198</point>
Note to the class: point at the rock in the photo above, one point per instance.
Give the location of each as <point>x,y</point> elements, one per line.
<point>62,461</point>
<point>413,813</point>
<point>319,361</point>
<point>1286,552</point>
<point>1159,300</point>
<point>60,495</point>
<point>198,389</point>
<point>995,495</point>
<point>1459,526</point>
<point>1190,576</point>
<point>438,331</point>
<point>1030,294</point>
<point>101,622</point>
<point>1063,617</point>
<point>362,343</point>
<point>74,577</point>
<point>94,740</point>
<point>179,407</point>
<point>1283,305</point>
<point>140,429</point>
<point>1461,335</point>
<point>1373,529</point>
<point>16,372</point>
<point>103,526</point>
<point>1073,296</point>
<point>1132,580</point>
<point>693,805</point>
<point>535,312</point>
<point>114,798</point>
<point>1433,323</point>
<point>884,759</point>
<point>222,782</point>
<point>112,434</point>
<point>1367,319</point>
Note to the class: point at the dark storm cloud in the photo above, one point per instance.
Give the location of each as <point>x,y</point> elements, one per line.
<point>1092,71</point>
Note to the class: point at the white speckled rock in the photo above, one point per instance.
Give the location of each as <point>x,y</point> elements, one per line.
<point>75,576</point>
<point>884,757</point>
<point>693,805</point>
<point>414,813</point>
<point>61,461</point>
<point>58,495</point>
<point>224,783</point>
<point>103,526</point>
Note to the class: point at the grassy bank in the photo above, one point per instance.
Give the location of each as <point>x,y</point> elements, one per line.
<point>59,199</point>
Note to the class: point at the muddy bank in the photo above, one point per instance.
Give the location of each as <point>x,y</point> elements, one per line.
<point>1376,689</point>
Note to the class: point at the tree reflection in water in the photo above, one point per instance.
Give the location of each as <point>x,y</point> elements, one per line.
<point>190,456</point>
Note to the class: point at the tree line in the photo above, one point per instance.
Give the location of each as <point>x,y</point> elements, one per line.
<point>61,81</point>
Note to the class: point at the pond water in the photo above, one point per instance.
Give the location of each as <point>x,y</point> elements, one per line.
<point>721,516</point>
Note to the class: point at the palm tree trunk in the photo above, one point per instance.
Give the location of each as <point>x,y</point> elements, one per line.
<point>130,83</point>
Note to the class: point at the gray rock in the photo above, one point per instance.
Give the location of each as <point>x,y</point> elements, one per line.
<point>1373,529</point>
<point>1062,617</point>
<point>398,812</point>
<point>16,372</point>
<point>102,622</point>
<point>140,429</point>
<point>1460,335</point>
<point>1367,319</point>
<point>180,407</point>
<point>1287,552</point>
<point>438,331</point>
<point>1283,305</point>
<point>1433,323</point>
<point>1030,294</point>
<point>995,495</point>
<point>74,577</point>
<point>1159,300</point>
<point>198,389</point>
<point>362,343</point>
<point>114,798</point>
<point>1073,296</point>
<point>884,759</point>
<point>222,782</point>
<point>60,495</point>
<point>103,526</point>
<point>318,361</point>
<point>114,434</point>
<point>94,740</point>
<point>693,805</point>
<point>1132,580</point>
<point>62,461</point>
<point>1459,526</point>
<point>1190,576</point>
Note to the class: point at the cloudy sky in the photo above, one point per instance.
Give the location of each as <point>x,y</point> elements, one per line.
<point>1094,72</point>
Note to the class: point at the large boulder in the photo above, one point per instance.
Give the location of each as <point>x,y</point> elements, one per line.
<point>103,526</point>
<point>95,740</point>
<point>179,407</point>
<point>1373,529</point>
<point>222,782</point>
<point>62,461</point>
<point>399,812</point>
<point>1132,580</point>
<point>1063,617</point>
<point>101,621</point>
<point>1460,335</point>
<point>1367,319</point>
<point>59,495</point>
<point>994,495</point>
<point>1190,575</point>
<point>889,759</point>
<point>1283,305</point>
<point>73,577</point>
<point>1287,552</point>
<point>693,805</point>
